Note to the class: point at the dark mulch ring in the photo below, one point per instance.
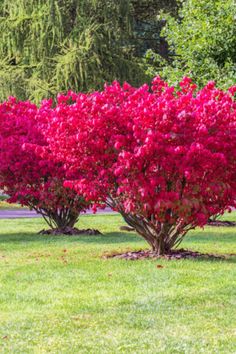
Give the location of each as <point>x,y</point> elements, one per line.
<point>70,231</point>
<point>175,254</point>
<point>221,223</point>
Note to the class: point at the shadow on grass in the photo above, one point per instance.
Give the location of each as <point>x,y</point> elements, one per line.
<point>228,259</point>
<point>112,237</point>
<point>206,236</point>
<point>107,238</point>
<point>118,238</point>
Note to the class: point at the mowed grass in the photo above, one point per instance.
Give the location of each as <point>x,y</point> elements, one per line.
<point>9,206</point>
<point>58,295</point>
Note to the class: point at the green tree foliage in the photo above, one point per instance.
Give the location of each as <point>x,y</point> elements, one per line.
<point>56,45</point>
<point>203,43</point>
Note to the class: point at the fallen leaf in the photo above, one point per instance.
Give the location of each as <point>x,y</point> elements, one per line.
<point>159,266</point>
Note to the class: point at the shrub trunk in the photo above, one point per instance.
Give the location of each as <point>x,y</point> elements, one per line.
<point>162,237</point>
<point>59,219</point>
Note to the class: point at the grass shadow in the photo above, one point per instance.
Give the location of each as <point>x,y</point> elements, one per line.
<point>207,241</point>
<point>228,259</point>
<point>111,237</point>
<point>107,238</point>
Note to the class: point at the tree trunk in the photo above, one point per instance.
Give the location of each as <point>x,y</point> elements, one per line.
<point>159,246</point>
<point>162,237</point>
<point>59,219</point>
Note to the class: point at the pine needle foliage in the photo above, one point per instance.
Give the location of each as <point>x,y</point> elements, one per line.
<point>55,45</point>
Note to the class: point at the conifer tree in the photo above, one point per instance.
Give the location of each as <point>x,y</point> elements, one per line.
<point>56,45</point>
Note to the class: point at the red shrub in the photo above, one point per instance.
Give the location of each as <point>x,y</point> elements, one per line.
<point>25,176</point>
<point>165,159</point>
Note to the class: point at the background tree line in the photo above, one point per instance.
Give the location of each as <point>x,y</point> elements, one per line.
<point>56,45</point>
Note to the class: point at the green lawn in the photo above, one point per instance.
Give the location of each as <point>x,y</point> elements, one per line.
<point>57,295</point>
<point>7,206</point>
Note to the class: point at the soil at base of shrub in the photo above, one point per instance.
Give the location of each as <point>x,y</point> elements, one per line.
<point>70,231</point>
<point>175,254</point>
<point>221,223</point>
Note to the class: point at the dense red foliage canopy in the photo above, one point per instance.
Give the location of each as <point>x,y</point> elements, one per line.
<point>24,175</point>
<point>166,157</point>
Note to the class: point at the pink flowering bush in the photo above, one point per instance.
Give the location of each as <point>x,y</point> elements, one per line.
<point>165,159</point>
<point>28,178</point>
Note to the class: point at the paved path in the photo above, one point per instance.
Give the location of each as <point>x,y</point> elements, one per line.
<point>24,213</point>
